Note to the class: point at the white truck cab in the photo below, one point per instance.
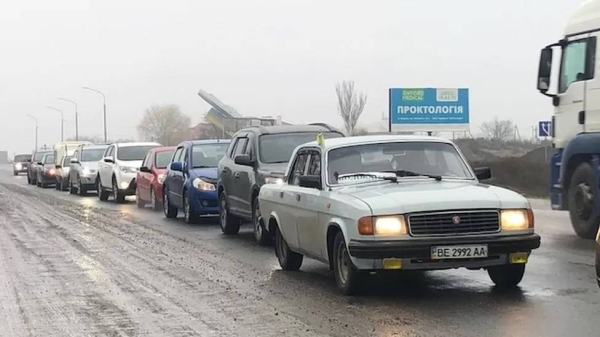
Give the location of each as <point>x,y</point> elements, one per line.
<point>573,83</point>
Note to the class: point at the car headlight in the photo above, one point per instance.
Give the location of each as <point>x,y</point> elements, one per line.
<point>391,225</point>
<point>273,180</point>
<point>87,171</point>
<point>203,185</point>
<point>127,169</point>
<point>516,219</point>
<point>161,178</point>
<point>18,166</point>
<point>52,172</point>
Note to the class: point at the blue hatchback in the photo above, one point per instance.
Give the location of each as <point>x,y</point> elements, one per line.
<point>191,179</point>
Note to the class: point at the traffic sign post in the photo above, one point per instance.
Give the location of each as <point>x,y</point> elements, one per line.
<point>544,129</point>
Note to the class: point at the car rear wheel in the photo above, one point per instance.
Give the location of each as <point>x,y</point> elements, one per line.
<point>507,276</point>
<point>288,259</point>
<point>102,193</point>
<point>347,277</point>
<point>191,217</point>
<point>230,224</point>
<point>170,211</point>
<point>262,236</point>
<point>28,178</point>
<point>118,196</point>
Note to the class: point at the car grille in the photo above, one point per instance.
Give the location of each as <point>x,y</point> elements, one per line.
<point>444,223</point>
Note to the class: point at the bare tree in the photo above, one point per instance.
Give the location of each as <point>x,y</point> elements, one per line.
<point>498,129</point>
<point>360,131</point>
<point>165,124</point>
<point>350,104</point>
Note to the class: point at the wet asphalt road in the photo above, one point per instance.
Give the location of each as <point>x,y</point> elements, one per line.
<point>73,266</point>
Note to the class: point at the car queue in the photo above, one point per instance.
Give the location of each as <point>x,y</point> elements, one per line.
<point>362,205</point>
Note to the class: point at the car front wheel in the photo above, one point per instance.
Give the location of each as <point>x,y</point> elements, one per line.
<point>262,236</point>
<point>288,259</point>
<point>118,196</point>
<point>347,277</point>
<point>230,224</point>
<point>170,211</point>
<point>191,217</point>
<point>102,193</point>
<point>507,276</point>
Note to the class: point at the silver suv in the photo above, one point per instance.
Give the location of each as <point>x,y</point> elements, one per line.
<point>84,168</point>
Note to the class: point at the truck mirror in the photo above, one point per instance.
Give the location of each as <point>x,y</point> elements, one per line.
<point>544,69</point>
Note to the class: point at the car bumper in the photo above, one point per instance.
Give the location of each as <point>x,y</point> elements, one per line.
<point>416,254</point>
<point>88,180</point>
<point>204,202</point>
<point>126,182</point>
<point>20,170</point>
<point>49,178</point>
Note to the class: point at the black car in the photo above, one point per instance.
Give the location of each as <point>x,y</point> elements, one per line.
<point>46,171</point>
<point>256,156</point>
<point>32,170</point>
<point>21,163</point>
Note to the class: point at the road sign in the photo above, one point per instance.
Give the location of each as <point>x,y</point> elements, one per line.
<point>544,129</point>
<point>429,109</point>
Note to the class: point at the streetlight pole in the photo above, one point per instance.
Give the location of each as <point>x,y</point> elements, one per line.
<point>104,99</point>
<point>76,117</point>
<point>36,131</point>
<point>62,123</point>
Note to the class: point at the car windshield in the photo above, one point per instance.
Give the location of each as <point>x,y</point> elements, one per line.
<point>405,159</point>
<point>130,153</point>
<point>163,159</point>
<point>278,148</point>
<point>92,154</point>
<point>22,158</point>
<point>38,156</point>
<point>49,159</point>
<point>67,161</point>
<point>208,155</point>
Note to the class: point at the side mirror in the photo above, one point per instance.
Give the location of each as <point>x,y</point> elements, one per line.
<point>57,166</point>
<point>176,166</point>
<point>108,160</point>
<point>74,161</point>
<point>544,69</point>
<point>244,159</point>
<point>40,163</point>
<point>310,182</point>
<point>144,169</point>
<point>483,173</point>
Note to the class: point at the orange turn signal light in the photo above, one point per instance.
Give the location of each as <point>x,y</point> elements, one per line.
<point>365,225</point>
<point>530,218</point>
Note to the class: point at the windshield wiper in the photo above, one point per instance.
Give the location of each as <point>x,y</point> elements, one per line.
<point>404,173</point>
<point>204,166</point>
<point>364,175</point>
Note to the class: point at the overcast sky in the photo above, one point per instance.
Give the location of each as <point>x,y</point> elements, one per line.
<point>264,58</point>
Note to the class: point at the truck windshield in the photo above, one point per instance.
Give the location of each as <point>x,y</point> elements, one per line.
<point>278,148</point>
<point>407,159</point>
<point>130,153</point>
<point>92,155</point>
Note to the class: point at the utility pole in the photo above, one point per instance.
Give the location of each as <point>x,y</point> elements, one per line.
<point>36,131</point>
<point>104,99</point>
<point>76,117</point>
<point>62,123</point>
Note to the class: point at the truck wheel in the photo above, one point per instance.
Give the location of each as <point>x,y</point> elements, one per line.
<point>507,276</point>
<point>288,259</point>
<point>262,236</point>
<point>230,224</point>
<point>581,202</point>
<point>347,277</point>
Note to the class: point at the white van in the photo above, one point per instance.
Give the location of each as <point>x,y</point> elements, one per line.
<point>62,150</point>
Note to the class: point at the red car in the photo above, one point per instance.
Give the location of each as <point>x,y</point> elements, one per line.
<point>151,175</point>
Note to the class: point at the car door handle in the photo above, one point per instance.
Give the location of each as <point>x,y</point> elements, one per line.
<point>281,194</point>
<point>297,197</point>
<point>237,175</point>
<point>224,170</point>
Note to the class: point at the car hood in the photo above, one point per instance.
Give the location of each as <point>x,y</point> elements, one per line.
<point>92,165</point>
<point>429,195</point>
<point>277,169</point>
<point>208,174</point>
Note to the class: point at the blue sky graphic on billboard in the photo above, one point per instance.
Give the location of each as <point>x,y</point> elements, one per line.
<point>429,109</point>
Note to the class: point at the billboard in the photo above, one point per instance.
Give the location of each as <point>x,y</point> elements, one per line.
<point>429,109</point>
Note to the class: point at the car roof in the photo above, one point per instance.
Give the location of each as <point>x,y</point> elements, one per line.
<point>205,141</point>
<point>358,140</point>
<point>137,144</point>
<point>44,151</point>
<point>278,129</point>
<point>164,149</point>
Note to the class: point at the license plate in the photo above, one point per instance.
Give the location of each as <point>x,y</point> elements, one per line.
<point>459,252</point>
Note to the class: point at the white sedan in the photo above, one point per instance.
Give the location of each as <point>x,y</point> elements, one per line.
<point>372,203</point>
